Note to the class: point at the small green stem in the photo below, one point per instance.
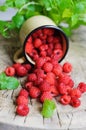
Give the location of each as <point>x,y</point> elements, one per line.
<point>27,4</point>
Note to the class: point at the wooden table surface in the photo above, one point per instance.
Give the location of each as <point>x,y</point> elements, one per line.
<point>64,117</point>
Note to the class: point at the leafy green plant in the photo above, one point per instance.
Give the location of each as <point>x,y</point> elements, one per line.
<point>67,14</point>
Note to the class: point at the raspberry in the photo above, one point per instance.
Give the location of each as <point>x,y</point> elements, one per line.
<point>39,73</point>
<point>43,53</point>
<point>27,66</point>
<point>50,78</point>
<point>32,77</point>
<point>10,71</point>
<point>56,40</point>
<point>34,92</point>
<point>47,67</point>
<point>24,93</point>
<point>75,102</point>
<point>38,81</point>
<point>16,65</point>
<point>22,110</point>
<point>62,88</point>
<point>37,43</point>
<point>45,95</point>
<point>48,31</point>
<point>44,86</point>
<point>54,91</point>
<point>40,62</point>
<point>30,39</point>
<point>50,39</point>
<point>58,46</point>
<point>57,69</point>
<point>28,85</point>
<point>82,87</point>
<point>64,78</point>
<point>67,67</point>
<point>28,47</point>
<point>21,71</point>
<point>65,99</point>
<point>57,54</point>
<point>43,47</point>
<point>75,93</point>
<point>22,100</point>
<point>71,83</point>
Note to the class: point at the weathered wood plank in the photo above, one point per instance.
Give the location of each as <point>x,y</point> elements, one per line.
<point>64,117</point>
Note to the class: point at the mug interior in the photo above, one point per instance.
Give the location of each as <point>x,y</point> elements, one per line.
<point>59,32</point>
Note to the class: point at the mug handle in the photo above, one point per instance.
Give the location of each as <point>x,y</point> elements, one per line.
<point>17,58</point>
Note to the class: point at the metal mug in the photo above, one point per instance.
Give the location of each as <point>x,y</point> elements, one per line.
<point>30,26</point>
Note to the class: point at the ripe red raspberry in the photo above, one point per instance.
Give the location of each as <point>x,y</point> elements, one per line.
<point>37,43</point>
<point>28,85</point>
<point>44,86</point>
<point>27,66</point>
<point>34,92</point>
<point>16,65</point>
<point>10,71</point>
<point>56,40</point>
<point>22,110</point>
<point>40,62</point>
<point>50,39</point>
<point>57,69</point>
<point>65,99</point>
<point>49,52</point>
<point>28,47</point>
<point>45,95</point>
<point>22,100</point>
<point>67,67</point>
<point>32,77</point>
<point>75,102</point>
<point>43,53</point>
<point>75,92</point>
<point>48,31</point>
<point>71,83</point>
<point>30,39</point>
<point>58,46</point>
<point>54,91</point>
<point>50,78</point>
<point>63,89</point>
<point>82,87</point>
<point>23,92</point>
<point>43,47</point>
<point>40,73</point>
<point>64,78</point>
<point>57,54</point>
<point>21,71</point>
<point>47,67</point>
<point>38,81</point>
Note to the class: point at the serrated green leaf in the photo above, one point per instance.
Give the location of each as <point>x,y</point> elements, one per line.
<point>18,20</point>
<point>7,82</point>
<point>47,113</point>
<point>48,108</point>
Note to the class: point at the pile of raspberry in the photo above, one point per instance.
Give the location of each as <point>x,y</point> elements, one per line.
<point>48,78</point>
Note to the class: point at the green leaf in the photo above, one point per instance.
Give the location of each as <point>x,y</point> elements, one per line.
<point>18,20</point>
<point>48,108</point>
<point>19,3</point>
<point>7,82</point>
<point>74,20</point>
<point>67,13</point>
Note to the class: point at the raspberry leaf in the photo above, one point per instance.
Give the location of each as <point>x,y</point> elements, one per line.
<point>7,82</point>
<point>48,108</point>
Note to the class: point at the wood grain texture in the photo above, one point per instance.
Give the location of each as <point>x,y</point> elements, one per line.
<point>64,117</point>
